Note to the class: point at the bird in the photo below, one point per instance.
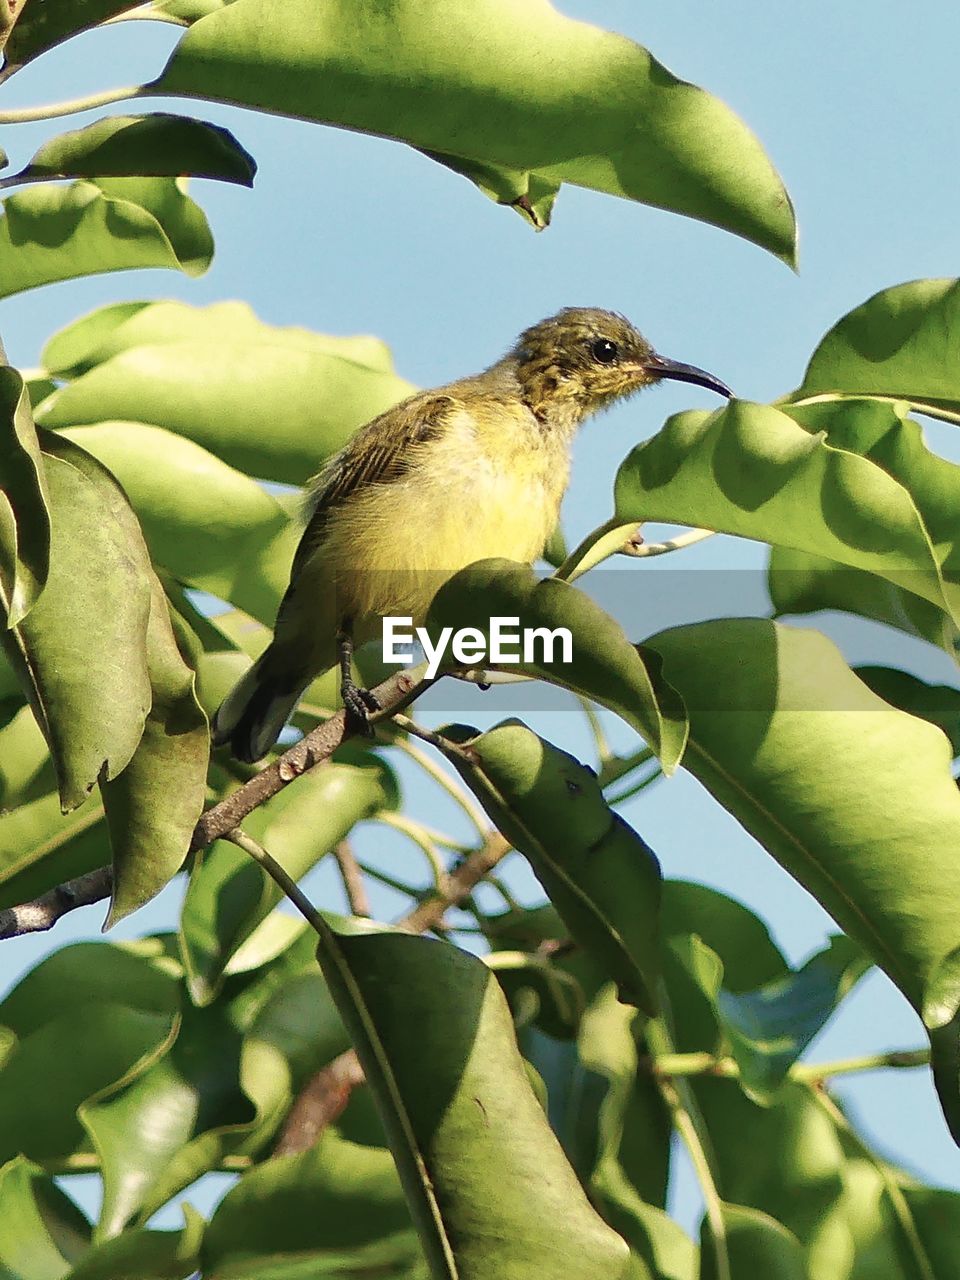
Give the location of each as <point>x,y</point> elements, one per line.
<point>468,471</point>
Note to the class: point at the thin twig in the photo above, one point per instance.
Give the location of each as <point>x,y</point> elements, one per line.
<point>708,1064</point>
<point>44,912</point>
<point>279,875</point>
<point>26,115</point>
<point>640,550</point>
<point>352,878</point>
<point>443,779</point>
<point>312,749</point>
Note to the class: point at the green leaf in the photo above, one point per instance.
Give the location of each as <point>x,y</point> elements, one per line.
<point>601,877</point>
<point>751,470</point>
<point>331,1200</point>
<point>229,896</point>
<point>171,1122</point>
<point>771,1027</point>
<point>937,1216</point>
<point>757,1245</point>
<point>94,338</point>
<point>853,797</point>
<point>605,666</point>
<point>87,974</point>
<point>486,1181</point>
<point>81,651</point>
<point>41,848</point>
<point>24,514</point>
<point>938,703</point>
<point>802,583</point>
<point>152,805</point>
<point>41,1230</point>
<point>502,87</point>
<point>26,771</point>
<point>741,940</point>
<point>52,233</point>
<point>77,1054</point>
<point>40,26</point>
<point>146,1255</point>
<point>218,389</point>
<point>243,556</point>
<point>157,145</point>
<point>898,343</point>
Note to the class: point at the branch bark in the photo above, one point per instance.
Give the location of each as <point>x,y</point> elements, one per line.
<point>220,820</point>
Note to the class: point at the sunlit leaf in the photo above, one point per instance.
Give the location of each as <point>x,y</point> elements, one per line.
<point>600,875</point>
<point>488,1187</point>
<point>81,651</point>
<point>751,470</point>
<point>756,1245</point>
<point>212,527</point>
<point>603,665</point>
<point>24,515</point>
<point>502,87</point>
<point>41,1230</point>
<point>51,233</point>
<point>898,343</point>
<point>855,798</point>
<point>40,847</point>
<point>40,26</point>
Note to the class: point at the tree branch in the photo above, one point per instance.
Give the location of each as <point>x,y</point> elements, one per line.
<point>352,878</point>
<point>44,912</point>
<point>219,821</point>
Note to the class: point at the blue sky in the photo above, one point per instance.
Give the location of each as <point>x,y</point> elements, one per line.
<point>346,233</point>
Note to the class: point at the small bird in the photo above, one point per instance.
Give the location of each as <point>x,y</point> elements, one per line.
<point>471,470</point>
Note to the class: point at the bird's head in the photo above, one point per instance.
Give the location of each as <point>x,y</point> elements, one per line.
<point>582,359</point>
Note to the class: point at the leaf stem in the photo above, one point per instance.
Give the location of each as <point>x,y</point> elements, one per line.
<point>466,802</point>
<point>414,831</point>
<point>26,115</point>
<point>641,550</point>
<point>898,1202</point>
<point>707,1064</point>
<point>285,881</point>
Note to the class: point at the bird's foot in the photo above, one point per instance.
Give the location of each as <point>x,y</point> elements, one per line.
<point>358,703</point>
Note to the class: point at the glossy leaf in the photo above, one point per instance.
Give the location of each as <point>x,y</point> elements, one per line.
<point>50,233</point>
<point>220,391</point>
<point>157,145</point>
<point>751,470</point>
<point>24,515</point>
<point>82,651</point>
<point>899,343</point>
<point>229,895</point>
<point>601,877</point>
<point>605,667</point>
<point>488,1187</point>
<point>212,527</point>
<point>500,86</point>
<point>41,1230</point>
<point>856,799</point>
<point>103,333</point>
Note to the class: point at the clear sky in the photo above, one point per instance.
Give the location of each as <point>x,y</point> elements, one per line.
<point>858,108</point>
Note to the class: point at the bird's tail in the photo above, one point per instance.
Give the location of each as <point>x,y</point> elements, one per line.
<point>253,714</point>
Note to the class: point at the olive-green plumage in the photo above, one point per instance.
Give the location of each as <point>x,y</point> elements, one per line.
<point>471,470</point>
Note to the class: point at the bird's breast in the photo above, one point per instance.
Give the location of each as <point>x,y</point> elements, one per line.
<point>477,491</point>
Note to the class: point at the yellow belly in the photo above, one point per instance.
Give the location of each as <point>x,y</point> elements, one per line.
<point>390,547</point>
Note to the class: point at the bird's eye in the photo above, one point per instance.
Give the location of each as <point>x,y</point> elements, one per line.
<point>604,351</point>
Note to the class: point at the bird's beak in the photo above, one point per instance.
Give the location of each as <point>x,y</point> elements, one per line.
<point>661,367</point>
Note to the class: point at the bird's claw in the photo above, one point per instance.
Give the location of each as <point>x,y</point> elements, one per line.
<point>358,703</point>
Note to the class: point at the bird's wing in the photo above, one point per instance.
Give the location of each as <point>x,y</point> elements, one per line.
<point>378,454</point>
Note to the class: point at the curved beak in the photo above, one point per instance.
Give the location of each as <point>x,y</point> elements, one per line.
<point>664,368</point>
